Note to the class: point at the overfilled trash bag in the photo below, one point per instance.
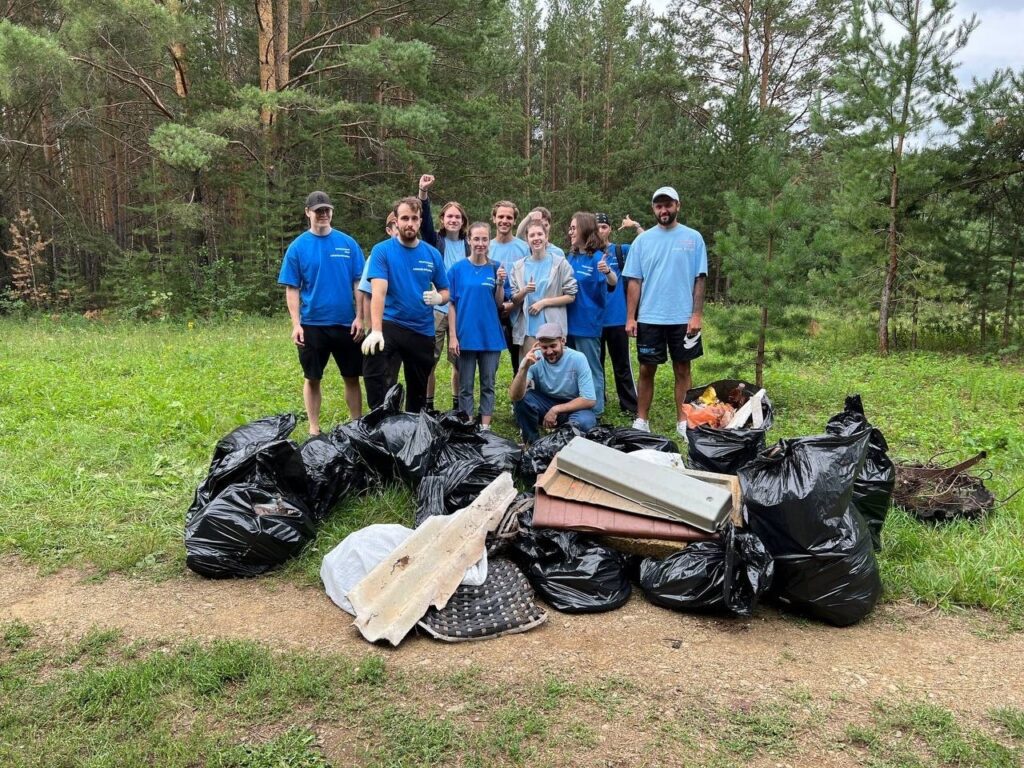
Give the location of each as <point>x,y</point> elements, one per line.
<point>245,531</point>
<point>571,571</point>
<point>726,450</point>
<point>727,574</point>
<point>627,440</point>
<point>333,471</point>
<point>537,457</point>
<point>872,491</point>
<point>797,498</point>
<point>273,463</point>
<point>454,488</point>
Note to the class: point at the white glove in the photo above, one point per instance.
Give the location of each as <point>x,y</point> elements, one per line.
<point>373,343</point>
<point>433,298</point>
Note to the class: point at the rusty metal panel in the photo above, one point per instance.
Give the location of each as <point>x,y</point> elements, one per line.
<point>428,567</point>
<point>661,489</point>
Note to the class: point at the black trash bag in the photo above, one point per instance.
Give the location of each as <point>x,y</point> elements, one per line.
<point>457,448</point>
<point>537,457</point>
<point>627,440</point>
<point>460,483</point>
<point>416,456</point>
<point>872,491</point>
<point>246,531</point>
<point>570,571</point>
<point>332,472</point>
<point>262,431</point>
<point>430,499</point>
<point>726,450</point>
<point>456,422</point>
<point>797,498</point>
<point>368,441</point>
<point>500,451</point>
<point>726,575</point>
<point>275,465</point>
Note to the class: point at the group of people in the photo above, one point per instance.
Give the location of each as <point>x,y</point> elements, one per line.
<point>455,289</point>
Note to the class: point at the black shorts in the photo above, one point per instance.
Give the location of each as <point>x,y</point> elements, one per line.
<point>322,341</point>
<point>652,341</point>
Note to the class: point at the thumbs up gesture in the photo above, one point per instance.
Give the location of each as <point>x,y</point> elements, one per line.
<point>602,265</point>
<point>531,286</point>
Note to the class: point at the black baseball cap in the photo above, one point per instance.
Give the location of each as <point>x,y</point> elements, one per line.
<point>317,200</point>
<point>602,218</point>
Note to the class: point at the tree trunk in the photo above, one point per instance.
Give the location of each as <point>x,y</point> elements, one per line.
<point>177,51</point>
<point>527,98</point>
<point>892,244</point>
<point>983,289</point>
<point>281,68</point>
<point>267,51</point>
<point>766,60</point>
<point>762,333</point>
<point>913,322</point>
<point>1008,308</point>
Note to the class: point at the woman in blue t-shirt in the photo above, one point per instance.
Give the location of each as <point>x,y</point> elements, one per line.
<point>475,335</point>
<point>595,280</point>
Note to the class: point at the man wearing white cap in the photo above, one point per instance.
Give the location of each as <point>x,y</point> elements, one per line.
<point>553,386</point>
<point>668,264</point>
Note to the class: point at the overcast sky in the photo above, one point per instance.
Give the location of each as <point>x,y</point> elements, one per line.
<point>997,42</point>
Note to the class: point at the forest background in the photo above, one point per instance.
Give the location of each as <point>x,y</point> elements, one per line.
<point>154,154</point>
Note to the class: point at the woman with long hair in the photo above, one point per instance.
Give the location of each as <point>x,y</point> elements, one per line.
<point>475,335</point>
<point>453,244</point>
<point>595,280</point>
<point>542,286</point>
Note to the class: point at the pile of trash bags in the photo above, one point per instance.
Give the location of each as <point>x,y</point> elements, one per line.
<point>813,507</point>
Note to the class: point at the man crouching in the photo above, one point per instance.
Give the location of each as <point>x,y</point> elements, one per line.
<point>553,386</point>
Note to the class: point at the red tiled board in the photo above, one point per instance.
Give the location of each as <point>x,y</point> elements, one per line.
<point>565,514</point>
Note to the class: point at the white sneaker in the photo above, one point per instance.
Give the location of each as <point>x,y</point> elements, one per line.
<point>485,427</point>
<point>681,429</point>
<point>642,424</point>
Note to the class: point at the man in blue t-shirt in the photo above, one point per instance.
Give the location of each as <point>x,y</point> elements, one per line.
<point>407,279</point>
<point>553,386</point>
<point>320,272</point>
<point>506,249</point>
<point>670,264</point>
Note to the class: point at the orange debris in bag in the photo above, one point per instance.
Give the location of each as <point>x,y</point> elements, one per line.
<point>718,415</point>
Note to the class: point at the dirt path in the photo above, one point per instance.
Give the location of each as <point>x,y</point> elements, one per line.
<point>902,650</point>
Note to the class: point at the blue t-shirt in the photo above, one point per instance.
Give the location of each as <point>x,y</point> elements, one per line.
<point>476,313</point>
<point>566,380</point>
<point>454,252</point>
<point>586,313</point>
<point>507,254</point>
<point>668,261</point>
<point>409,272</point>
<point>323,268</point>
<point>615,309</point>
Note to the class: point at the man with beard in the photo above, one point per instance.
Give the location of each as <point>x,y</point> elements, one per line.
<point>506,249</point>
<point>408,280</point>
<point>553,386</point>
<point>669,263</point>
<point>320,271</point>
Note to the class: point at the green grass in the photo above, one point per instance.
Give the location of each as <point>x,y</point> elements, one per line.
<point>97,702</point>
<point>106,429</point>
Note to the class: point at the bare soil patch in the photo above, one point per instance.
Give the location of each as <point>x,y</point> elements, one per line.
<point>963,662</point>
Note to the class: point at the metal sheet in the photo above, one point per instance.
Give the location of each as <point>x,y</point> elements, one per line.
<point>428,566</point>
<point>686,499</point>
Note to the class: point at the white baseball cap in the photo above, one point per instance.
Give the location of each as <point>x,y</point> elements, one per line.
<point>665,192</point>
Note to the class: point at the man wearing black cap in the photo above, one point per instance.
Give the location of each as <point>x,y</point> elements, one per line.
<point>670,263</point>
<point>320,273</point>
<point>553,386</point>
<point>613,337</point>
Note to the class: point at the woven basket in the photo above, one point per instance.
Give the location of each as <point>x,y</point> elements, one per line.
<point>503,605</point>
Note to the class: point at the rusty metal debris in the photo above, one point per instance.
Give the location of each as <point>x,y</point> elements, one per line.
<point>936,493</point>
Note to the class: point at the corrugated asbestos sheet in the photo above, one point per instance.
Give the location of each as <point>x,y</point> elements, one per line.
<point>428,567</point>
<point>662,490</point>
